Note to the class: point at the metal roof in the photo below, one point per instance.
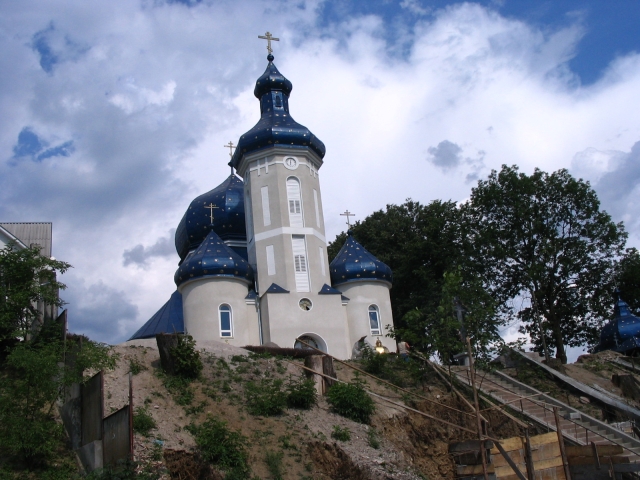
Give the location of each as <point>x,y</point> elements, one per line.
<point>168,319</point>
<point>32,233</point>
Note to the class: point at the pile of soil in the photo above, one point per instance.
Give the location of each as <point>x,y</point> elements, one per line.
<point>411,446</point>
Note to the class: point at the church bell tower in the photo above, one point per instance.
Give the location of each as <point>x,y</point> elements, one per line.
<point>279,161</point>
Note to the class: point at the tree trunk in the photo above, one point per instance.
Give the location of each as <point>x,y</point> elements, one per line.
<point>557,335</point>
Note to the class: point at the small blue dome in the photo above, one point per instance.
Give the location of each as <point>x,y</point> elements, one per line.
<point>276,127</point>
<point>355,264</point>
<point>213,259</point>
<point>228,216</point>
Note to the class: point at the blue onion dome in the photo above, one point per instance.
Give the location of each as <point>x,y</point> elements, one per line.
<point>276,127</point>
<point>213,258</point>
<point>228,216</point>
<point>354,264</point>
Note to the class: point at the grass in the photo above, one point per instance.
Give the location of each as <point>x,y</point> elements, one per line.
<point>143,422</point>
<point>273,461</point>
<point>341,434</point>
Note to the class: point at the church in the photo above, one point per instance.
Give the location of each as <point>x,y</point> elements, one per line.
<point>253,263</point>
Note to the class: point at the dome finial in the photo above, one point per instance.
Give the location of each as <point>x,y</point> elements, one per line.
<point>268,37</point>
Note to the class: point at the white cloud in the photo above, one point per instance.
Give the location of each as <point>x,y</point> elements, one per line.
<point>149,93</point>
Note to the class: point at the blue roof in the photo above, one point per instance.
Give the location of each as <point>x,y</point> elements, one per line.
<point>276,127</point>
<point>213,259</point>
<point>228,216</point>
<point>355,264</point>
<point>168,319</point>
<point>327,290</point>
<point>622,333</point>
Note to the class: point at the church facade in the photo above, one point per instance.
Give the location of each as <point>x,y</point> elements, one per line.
<point>253,264</point>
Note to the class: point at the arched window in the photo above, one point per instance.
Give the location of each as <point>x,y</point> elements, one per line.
<point>226,321</point>
<point>374,320</point>
<point>295,202</point>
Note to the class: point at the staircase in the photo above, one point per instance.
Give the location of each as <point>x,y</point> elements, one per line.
<point>577,427</point>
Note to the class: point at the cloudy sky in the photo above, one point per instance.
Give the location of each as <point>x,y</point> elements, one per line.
<point>113,115</point>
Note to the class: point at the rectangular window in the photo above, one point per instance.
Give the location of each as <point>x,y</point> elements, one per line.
<point>321,250</point>
<point>226,324</point>
<point>317,204</point>
<point>294,206</point>
<point>374,321</point>
<point>266,212</point>
<point>299,247</point>
<point>271,261</point>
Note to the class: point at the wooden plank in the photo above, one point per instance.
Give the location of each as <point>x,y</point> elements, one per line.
<point>588,472</point>
<point>514,468</point>
<point>509,444</point>
<point>551,437</point>
<point>586,450</point>
<point>507,470</point>
<point>469,445</point>
<point>516,455</point>
<point>604,460</point>
<point>473,469</point>
<point>550,463</point>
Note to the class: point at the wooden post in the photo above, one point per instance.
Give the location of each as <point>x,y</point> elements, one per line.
<point>483,452</point>
<point>327,369</point>
<point>528,457</point>
<point>511,463</point>
<point>314,362</point>
<point>131,416</point>
<point>165,343</point>
<point>563,452</point>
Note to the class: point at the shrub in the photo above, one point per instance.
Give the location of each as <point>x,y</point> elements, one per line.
<point>374,362</point>
<point>351,401</point>
<point>301,393</point>
<point>143,422</point>
<point>188,363</point>
<point>341,434</point>
<point>135,367</point>
<point>266,398</point>
<point>221,446</point>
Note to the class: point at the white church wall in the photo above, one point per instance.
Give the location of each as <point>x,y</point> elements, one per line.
<point>201,299</point>
<point>326,319</point>
<point>362,295</point>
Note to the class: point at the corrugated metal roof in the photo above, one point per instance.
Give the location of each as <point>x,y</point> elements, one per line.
<point>32,233</point>
<point>168,319</point>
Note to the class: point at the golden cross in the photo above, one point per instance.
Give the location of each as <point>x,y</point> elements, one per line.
<point>211,207</point>
<point>230,146</point>
<point>348,214</point>
<point>268,37</point>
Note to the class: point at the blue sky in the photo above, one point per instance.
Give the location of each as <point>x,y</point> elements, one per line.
<point>114,115</point>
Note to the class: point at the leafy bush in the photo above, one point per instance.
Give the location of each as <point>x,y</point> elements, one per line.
<point>135,367</point>
<point>351,401</point>
<point>341,434</point>
<point>266,398</point>
<point>301,393</point>
<point>143,422</point>
<point>221,446</point>
<point>188,363</point>
<point>374,362</point>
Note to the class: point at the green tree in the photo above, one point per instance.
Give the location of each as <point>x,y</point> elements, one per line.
<point>26,279</point>
<point>544,237</point>
<point>419,243</point>
<point>628,278</point>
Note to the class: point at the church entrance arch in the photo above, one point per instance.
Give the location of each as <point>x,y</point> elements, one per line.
<point>312,339</point>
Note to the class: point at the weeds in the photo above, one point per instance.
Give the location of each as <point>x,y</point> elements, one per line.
<point>274,464</point>
<point>351,401</point>
<point>301,393</point>
<point>341,434</point>
<point>222,447</point>
<point>265,398</point>
<point>372,438</point>
<point>143,422</point>
<point>135,367</point>
<point>188,363</point>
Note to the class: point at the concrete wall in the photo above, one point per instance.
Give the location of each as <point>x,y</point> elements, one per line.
<point>361,295</point>
<point>202,297</point>
<point>327,320</point>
